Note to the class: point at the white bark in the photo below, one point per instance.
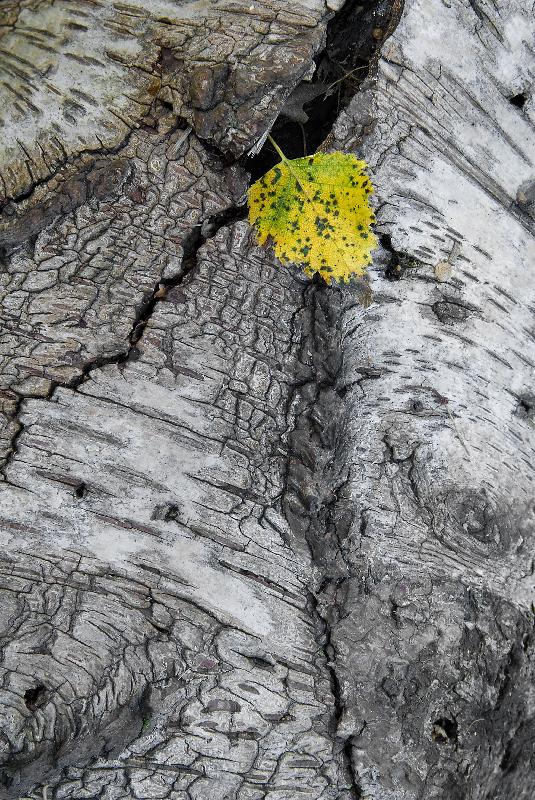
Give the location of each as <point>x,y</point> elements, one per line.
<point>437,616</point>
<point>267,543</point>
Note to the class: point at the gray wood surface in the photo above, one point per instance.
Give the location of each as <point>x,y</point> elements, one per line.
<point>259,542</point>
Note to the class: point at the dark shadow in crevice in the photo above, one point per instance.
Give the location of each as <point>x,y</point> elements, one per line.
<point>518,100</point>
<point>354,37</point>
<point>80,490</point>
<point>33,698</point>
<point>399,264</point>
<point>445,731</point>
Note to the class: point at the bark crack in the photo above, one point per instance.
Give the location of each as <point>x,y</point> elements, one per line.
<point>315,496</point>
<point>354,40</point>
<point>199,234</point>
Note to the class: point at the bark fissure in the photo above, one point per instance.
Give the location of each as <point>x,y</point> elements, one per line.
<point>355,36</point>
<point>324,622</point>
<point>315,500</point>
<point>198,236</point>
<point>315,480</point>
<point>264,541</point>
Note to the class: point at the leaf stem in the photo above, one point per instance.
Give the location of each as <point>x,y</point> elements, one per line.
<point>277,148</point>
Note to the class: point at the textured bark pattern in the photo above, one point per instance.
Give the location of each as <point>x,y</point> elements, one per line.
<point>79,75</point>
<point>179,455</point>
<point>185,619</point>
<point>434,632</point>
<point>257,541</point>
<point>70,296</point>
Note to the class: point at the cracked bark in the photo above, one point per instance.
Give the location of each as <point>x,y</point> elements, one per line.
<point>257,541</point>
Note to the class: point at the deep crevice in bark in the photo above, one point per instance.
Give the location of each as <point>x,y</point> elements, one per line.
<point>329,654</point>
<point>316,475</point>
<point>354,39</point>
<point>313,499</point>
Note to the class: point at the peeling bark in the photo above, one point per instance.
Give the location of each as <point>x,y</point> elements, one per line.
<point>258,541</point>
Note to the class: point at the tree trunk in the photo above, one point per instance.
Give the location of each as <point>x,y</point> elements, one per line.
<point>258,541</point>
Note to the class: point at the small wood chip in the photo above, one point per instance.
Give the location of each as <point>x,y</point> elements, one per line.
<point>443,271</point>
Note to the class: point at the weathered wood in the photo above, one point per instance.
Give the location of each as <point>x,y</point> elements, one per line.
<point>79,75</point>
<point>164,474</point>
<point>79,80</point>
<point>149,644</point>
<point>71,294</point>
<point>258,541</point>
<point>434,631</point>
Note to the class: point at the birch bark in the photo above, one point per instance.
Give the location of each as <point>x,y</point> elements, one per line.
<point>258,541</point>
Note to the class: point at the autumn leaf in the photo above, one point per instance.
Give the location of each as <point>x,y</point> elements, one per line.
<point>316,212</point>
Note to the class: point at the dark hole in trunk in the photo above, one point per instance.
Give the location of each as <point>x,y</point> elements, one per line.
<point>34,697</point>
<point>445,731</point>
<point>518,100</point>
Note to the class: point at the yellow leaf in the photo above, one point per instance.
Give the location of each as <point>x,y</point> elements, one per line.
<point>316,212</point>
